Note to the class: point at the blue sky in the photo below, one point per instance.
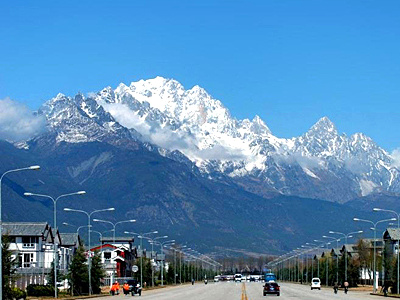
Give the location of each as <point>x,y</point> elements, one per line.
<point>291,62</point>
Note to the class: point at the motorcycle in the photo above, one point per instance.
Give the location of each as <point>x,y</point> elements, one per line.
<point>137,290</point>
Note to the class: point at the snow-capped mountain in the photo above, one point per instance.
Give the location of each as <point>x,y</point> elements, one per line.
<point>160,112</point>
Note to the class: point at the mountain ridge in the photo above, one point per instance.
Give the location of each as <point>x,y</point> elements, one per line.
<point>162,113</point>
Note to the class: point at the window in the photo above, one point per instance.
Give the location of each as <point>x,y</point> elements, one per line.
<point>28,260</point>
<point>29,241</point>
<point>19,263</point>
<point>107,256</point>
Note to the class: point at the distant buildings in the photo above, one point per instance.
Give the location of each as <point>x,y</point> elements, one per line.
<point>32,245</point>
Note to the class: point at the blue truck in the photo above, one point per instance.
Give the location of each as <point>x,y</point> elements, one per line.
<point>268,277</point>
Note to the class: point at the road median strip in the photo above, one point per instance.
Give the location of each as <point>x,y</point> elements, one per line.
<point>244,292</point>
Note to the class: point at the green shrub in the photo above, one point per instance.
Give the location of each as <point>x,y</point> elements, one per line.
<point>40,290</point>
<point>17,293</point>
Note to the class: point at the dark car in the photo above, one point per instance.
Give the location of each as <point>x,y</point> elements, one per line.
<point>134,287</point>
<point>271,288</point>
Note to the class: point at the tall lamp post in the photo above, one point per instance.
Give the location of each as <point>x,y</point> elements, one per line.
<point>89,215</point>
<point>77,229</point>
<point>375,224</point>
<point>141,235</point>
<point>398,242</point>
<point>180,262</point>
<point>337,255</point>
<point>312,264</point>
<point>114,224</point>
<point>152,240</point>
<point>1,222</point>
<point>324,244</point>
<point>346,236</point>
<point>170,242</point>
<point>55,256</point>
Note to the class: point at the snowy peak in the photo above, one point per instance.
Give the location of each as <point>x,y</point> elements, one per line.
<point>161,113</point>
<point>324,125</point>
<point>259,127</point>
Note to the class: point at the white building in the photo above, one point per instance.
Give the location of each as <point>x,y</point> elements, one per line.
<point>32,245</point>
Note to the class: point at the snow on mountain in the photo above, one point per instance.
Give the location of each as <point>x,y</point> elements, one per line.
<point>163,113</point>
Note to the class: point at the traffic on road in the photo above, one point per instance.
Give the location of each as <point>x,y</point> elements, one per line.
<point>224,290</point>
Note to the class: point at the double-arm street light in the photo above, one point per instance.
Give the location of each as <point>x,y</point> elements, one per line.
<point>1,220</point>
<point>170,242</point>
<point>375,224</point>
<point>332,238</point>
<point>398,242</point>
<point>89,215</point>
<point>324,244</point>
<point>141,235</point>
<point>315,246</point>
<point>346,236</point>
<point>77,229</point>
<point>55,256</point>
<point>152,240</point>
<point>114,224</point>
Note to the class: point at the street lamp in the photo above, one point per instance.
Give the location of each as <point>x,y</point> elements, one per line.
<point>398,242</point>
<point>1,222</point>
<point>346,236</point>
<point>170,242</point>
<point>99,233</point>
<point>114,224</point>
<point>375,224</point>
<point>89,215</point>
<point>320,246</point>
<point>55,256</point>
<point>152,250</point>
<point>77,230</point>
<point>141,235</point>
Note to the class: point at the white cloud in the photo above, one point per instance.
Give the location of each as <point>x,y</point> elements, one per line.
<point>396,157</point>
<point>17,121</point>
<point>167,138</point>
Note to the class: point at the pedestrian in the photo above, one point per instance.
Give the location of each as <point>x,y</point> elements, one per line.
<point>385,288</point>
<point>335,287</point>
<point>126,288</point>
<point>346,287</point>
<point>114,289</point>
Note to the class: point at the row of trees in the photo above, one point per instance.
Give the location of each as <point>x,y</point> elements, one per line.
<point>332,267</point>
<point>184,272</point>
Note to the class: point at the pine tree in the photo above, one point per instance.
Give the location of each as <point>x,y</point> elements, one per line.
<point>97,273</point>
<point>50,276</point>
<point>8,264</point>
<point>78,273</point>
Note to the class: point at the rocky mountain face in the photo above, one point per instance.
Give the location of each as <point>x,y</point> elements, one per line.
<point>193,128</point>
<point>161,194</point>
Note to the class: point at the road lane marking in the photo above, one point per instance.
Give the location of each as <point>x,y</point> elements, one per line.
<point>244,292</point>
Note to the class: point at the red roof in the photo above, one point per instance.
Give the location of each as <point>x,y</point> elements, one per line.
<point>103,246</point>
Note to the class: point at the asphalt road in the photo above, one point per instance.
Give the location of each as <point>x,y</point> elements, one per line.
<point>247,291</point>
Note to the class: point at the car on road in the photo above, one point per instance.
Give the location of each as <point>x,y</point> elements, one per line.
<point>238,278</point>
<point>316,283</point>
<point>217,278</point>
<point>271,288</point>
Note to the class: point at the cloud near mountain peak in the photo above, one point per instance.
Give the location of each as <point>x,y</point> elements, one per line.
<point>18,122</point>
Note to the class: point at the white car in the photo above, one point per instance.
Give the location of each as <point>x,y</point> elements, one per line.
<point>217,278</point>
<point>315,283</point>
